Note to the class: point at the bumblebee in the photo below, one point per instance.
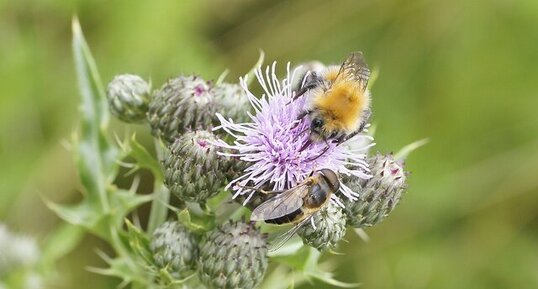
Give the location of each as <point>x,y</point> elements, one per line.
<point>298,204</point>
<point>338,103</point>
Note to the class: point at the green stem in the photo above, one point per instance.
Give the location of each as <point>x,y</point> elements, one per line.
<point>158,208</point>
<point>161,197</point>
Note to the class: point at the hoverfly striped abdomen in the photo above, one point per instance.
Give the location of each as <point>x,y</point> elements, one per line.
<point>289,218</point>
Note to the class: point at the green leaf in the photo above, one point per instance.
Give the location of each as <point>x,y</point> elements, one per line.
<point>139,242</point>
<point>305,260</point>
<point>95,154</point>
<point>123,203</point>
<point>362,234</point>
<point>143,158</point>
<point>124,269</point>
<point>195,223</point>
<point>312,271</point>
<point>83,214</point>
<point>100,223</point>
<point>289,248</point>
<point>406,150</point>
<point>295,261</point>
<point>60,243</point>
<point>252,73</point>
<point>159,209</point>
<point>373,77</point>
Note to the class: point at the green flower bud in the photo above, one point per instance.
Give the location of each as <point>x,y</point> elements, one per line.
<point>330,227</point>
<point>174,249</point>
<point>232,101</point>
<point>183,103</point>
<point>234,255</point>
<point>379,195</point>
<point>193,170</point>
<point>128,97</point>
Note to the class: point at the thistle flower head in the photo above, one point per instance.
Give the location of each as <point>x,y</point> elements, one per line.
<point>272,143</point>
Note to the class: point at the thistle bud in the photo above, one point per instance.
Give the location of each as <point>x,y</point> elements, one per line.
<point>330,227</point>
<point>174,249</point>
<point>234,255</point>
<point>183,103</point>
<point>232,101</point>
<point>128,97</point>
<point>379,195</point>
<point>193,170</point>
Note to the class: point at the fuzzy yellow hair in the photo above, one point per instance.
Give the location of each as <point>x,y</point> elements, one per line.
<point>341,105</point>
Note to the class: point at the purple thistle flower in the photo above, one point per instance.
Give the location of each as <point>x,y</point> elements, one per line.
<point>271,144</point>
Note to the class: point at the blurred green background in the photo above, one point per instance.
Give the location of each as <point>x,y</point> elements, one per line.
<point>463,73</point>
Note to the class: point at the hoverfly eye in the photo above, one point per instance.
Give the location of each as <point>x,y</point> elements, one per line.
<point>316,123</point>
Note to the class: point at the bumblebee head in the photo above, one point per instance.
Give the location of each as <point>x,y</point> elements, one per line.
<point>321,130</point>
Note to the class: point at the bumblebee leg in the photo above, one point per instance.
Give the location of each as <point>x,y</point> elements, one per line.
<point>311,80</point>
<point>300,118</point>
<point>303,114</point>
<point>366,116</point>
<point>349,136</point>
<point>305,145</point>
<point>300,92</point>
<point>322,152</point>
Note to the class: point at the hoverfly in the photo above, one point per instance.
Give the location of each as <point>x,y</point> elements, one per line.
<point>298,204</point>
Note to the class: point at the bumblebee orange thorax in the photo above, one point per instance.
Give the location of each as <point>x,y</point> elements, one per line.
<point>342,104</point>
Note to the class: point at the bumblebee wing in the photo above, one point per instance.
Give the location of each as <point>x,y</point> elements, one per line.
<point>282,239</point>
<point>356,68</point>
<point>280,205</point>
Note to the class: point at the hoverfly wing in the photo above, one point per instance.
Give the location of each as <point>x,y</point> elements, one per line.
<point>282,239</point>
<point>281,205</point>
<point>355,67</point>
